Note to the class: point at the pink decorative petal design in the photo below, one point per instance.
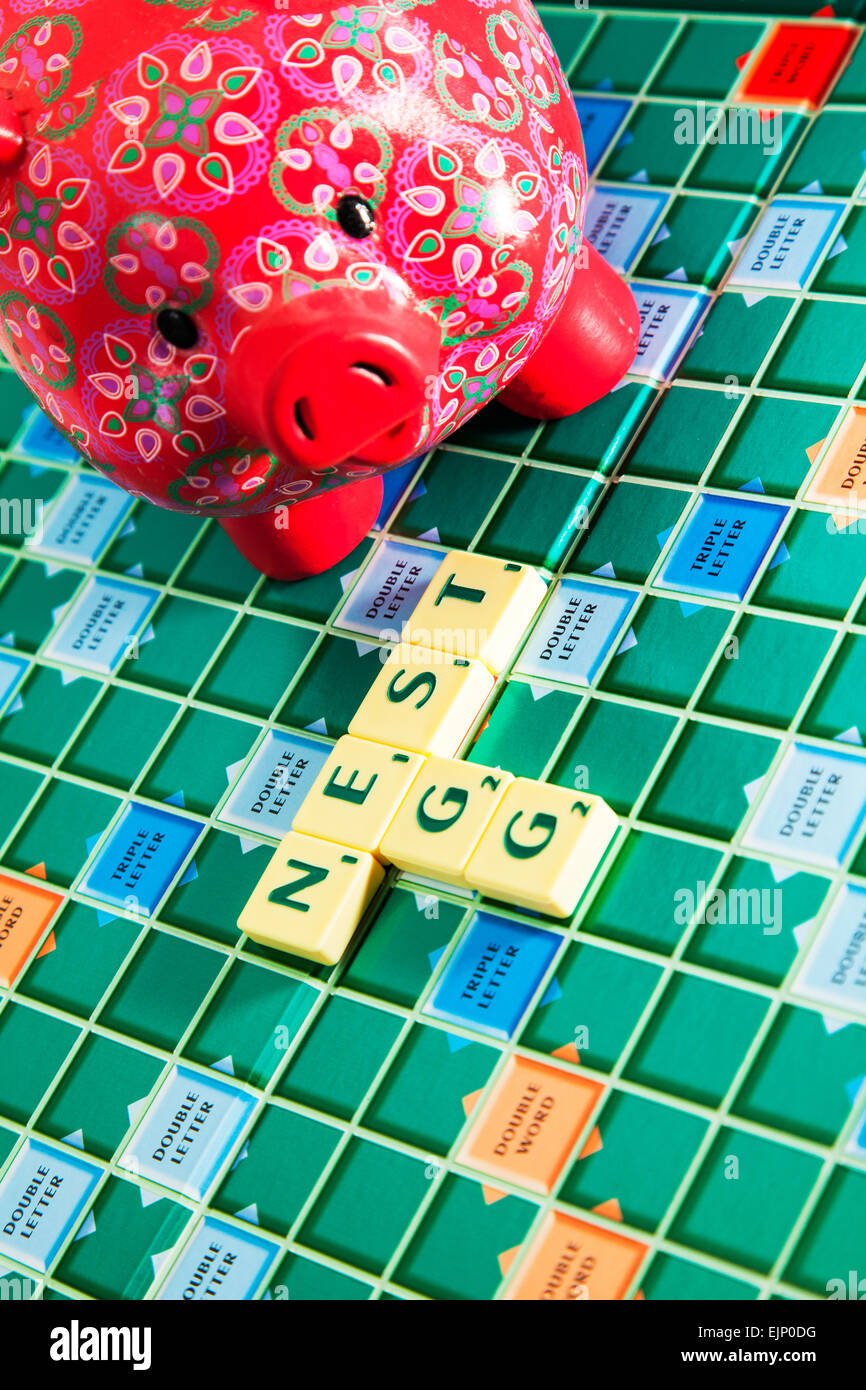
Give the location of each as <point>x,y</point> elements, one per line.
<point>39,169</point>
<point>346,71</point>
<point>168,170</point>
<point>130,110</point>
<point>233,128</point>
<point>253,296</point>
<point>147,442</point>
<point>200,409</point>
<point>192,273</point>
<point>28,264</point>
<point>321,254</point>
<point>197,63</point>
<point>426,199</point>
<point>489,161</point>
<point>107,384</point>
<point>72,237</point>
<point>466,261</point>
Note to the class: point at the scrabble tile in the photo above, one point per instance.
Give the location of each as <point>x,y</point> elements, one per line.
<point>529,1123</point>
<point>542,847</point>
<point>571,1260</point>
<point>311,898</point>
<point>25,911</point>
<point>42,1194</point>
<point>840,480</point>
<point>476,607</point>
<point>423,700</point>
<point>797,64</point>
<point>443,818</point>
<point>357,793</point>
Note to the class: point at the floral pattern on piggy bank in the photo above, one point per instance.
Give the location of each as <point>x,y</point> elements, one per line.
<point>252,256</point>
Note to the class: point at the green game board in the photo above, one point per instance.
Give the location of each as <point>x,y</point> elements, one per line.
<point>711,984</point>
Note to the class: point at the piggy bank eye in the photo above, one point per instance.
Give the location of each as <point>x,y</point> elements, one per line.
<point>177,328</point>
<point>355,216</point>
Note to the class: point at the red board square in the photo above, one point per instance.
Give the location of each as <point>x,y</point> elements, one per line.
<point>797,64</point>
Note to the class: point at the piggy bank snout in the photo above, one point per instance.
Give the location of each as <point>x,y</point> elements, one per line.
<point>334,379</point>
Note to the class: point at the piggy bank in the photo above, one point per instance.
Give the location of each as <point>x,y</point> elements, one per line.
<point>252,256</point>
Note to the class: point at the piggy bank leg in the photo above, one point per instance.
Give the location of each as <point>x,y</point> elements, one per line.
<point>302,540</point>
<point>584,354</point>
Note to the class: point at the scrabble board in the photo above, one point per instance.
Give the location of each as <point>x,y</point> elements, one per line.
<point>661,1098</point>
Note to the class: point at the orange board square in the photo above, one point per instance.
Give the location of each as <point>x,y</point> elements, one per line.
<point>841,477</point>
<point>797,64</point>
<point>25,912</point>
<point>528,1126</point>
<point>571,1260</point>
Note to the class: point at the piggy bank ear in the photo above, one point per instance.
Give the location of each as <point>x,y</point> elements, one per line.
<point>11,135</point>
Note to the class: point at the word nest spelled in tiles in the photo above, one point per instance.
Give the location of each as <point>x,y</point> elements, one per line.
<point>391,793</point>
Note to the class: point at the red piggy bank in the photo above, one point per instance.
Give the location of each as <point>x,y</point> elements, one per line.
<point>252,256</point>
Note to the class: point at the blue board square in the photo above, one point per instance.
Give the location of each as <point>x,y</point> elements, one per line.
<point>82,519</point>
<point>389,589</point>
<point>269,791</point>
<point>668,317</point>
<point>600,118</point>
<point>493,974</point>
<point>140,858</point>
<point>39,439</point>
<point>394,483</point>
<point>12,669</point>
<point>100,623</point>
<point>189,1129</point>
<point>721,547</point>
<point>220,1264</point>
<point>814,808</point>
<point>787,244</point>
<point>575,631</point>
<point>42,1195</point>
<point>618,221</point>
